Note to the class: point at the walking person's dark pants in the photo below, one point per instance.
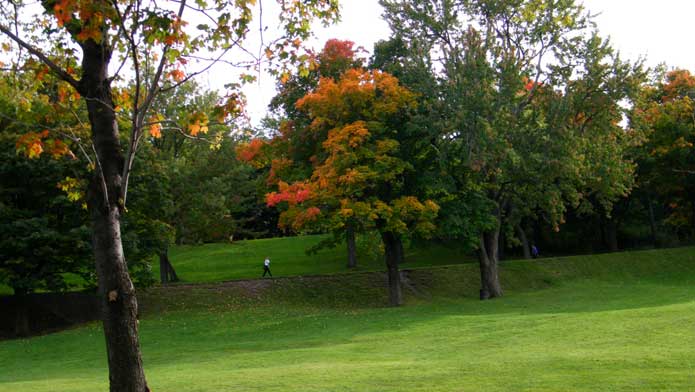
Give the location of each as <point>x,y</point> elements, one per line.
<point>266,270</point>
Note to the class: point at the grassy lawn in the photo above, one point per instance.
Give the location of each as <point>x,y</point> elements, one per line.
<point>621,322</point>
<point>244,259</point>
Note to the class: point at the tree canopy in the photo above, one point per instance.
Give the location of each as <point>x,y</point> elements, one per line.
<point>526,103</point>
<point>91,46</point>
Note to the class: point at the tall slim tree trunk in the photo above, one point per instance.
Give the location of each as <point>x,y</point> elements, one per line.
<point>167,273</point>
<point>524,241</point>
<point>652,222</point>
<point>21,325</point>
<point>500,246</point>
<point>116,290</point>
<point>173,277</point>
<point>163,269</point>
<point>489,260</point>
<point>611,231</point>
<point>391,256</point>
<point>351,247</point>
<point>400,252</point>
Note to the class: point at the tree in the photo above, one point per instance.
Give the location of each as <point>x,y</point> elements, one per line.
<point>527,109</point>
<point>77,40</point>
<point>361,176</point>
<point>297,143</point>
<point>43,234</point>
<point>665,115</point>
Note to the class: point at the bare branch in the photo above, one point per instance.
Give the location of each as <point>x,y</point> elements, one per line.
<point>140,112</point>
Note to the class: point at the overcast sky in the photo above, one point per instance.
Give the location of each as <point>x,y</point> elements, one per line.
<point>659,30</point>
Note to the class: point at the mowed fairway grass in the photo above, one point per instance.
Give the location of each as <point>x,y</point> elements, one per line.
<point>616,322</point>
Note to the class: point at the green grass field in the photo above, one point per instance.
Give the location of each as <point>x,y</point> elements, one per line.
<point>614,322</point>
<point>244,259</point>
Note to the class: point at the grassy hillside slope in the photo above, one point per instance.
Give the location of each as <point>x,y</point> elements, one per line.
<point>244,259</point>
<point>594,323</point>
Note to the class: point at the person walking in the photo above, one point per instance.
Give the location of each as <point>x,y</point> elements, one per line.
<point>266,267</point>
<point>534,251</point>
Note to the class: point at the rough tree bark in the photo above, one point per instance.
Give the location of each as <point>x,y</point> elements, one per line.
<point>611,234</point>
<point>351,247</point>
<point>116,290</point>
<point>391,243</point>
<point>524,241</point>
<point>652,222</point>
<point>167,273</point>
<point>400,251</point>
<point>21,325</point>
<point>488,255</point>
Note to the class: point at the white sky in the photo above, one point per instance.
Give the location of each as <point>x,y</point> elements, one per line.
<point>661,31</point>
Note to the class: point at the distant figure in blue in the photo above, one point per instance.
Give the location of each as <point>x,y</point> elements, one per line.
<point>534,251</point>
<point>266,267</point>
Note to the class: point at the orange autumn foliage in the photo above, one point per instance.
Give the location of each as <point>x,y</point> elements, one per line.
<point>681,83</point>
<point>252,152</point>
<point>350,116</point>
<point>293,194</point>
<point>359,94</point>
<point>33,144</point>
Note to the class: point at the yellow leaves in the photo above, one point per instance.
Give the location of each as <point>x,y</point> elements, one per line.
<point>194,128</point>
<point>34,150</point>
<point>197,123</point>
<point>352,135</point>
<point>73,188</point>
<point>63,93</point>
<point>386,146</point>
<point>6,47</point>
<point>373,95</point>
<point>121,98</point>
<point>90,32</point>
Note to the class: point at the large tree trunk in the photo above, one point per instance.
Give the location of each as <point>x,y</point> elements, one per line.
<point>611,232</point>
<point>652,222</point>
<point>489,259</point>
<point>351,247</point>
<point>391,242</point>
<point>167,273</point>
<point>501,240</point>
<point>400,252</point>
<point>116,290</point>
<point>524,241</point>
<point>21,325</point>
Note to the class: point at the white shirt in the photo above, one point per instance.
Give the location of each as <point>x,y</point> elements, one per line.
<point>266,262</point>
